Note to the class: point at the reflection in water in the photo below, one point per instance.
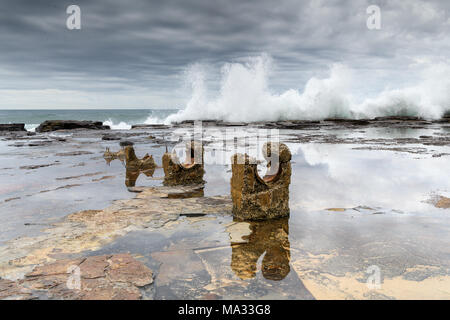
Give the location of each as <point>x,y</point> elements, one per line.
<point>132,175</point>
<point>133,165</point>
<point>110,156</point>
<point>268,238</point>
<point>376,179</point>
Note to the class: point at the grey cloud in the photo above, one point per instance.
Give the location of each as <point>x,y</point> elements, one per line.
<point>136,46</point>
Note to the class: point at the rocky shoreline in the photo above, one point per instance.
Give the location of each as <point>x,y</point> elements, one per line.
<point>12,127</point>
<point>395,121</point>
<point>307,131</point>
<point>187,241</point>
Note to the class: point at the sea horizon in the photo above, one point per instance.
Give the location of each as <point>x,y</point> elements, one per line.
<point>115,118</point>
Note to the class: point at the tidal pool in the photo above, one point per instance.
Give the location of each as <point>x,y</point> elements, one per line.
<point>363,221</point>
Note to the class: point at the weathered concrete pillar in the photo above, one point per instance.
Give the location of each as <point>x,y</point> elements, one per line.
<point>256,198</point>
<point>189,172</point>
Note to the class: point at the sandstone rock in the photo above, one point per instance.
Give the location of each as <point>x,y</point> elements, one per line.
<point>53,125</point>
<point>91,230</point>
<point>293,124</point>
<point>124,268</point>
<point>11,290</point>
<point>231,124</point>
<point>443,120</point>
<point>397,118</point>
<point>256,198</point>
<point>110,137</point>
<point>149,126</point>
<point>93,267</point>
<point>107,277</point>
<point>196,192</point>
<point>190,172</point>
<point>73,153</point>
<point>103,178</point>
<point>57,268</point>
<point>443,203</point>
<point>79,176</point>
<point>355,122</point>
<point>12,127</point>
<point>37,166</point>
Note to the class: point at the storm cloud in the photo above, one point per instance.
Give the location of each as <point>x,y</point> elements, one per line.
<point>134,54</point>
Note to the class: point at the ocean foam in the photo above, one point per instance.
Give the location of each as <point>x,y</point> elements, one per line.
<point>31,127</point>
<point>122,125</point>
<point>244,95</point>
<point>119,126</point>
<point>153,120</point>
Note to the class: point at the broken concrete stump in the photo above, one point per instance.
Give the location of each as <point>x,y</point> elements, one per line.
<point>189,172</point>
<point>256,198</point>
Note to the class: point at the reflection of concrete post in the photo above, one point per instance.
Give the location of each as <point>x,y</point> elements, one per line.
<point>131,177</point>
<point>268,238</point>
<point>110,155</point>
<point>189,172</point>
<point>256,198</point>
<point>135,166</point>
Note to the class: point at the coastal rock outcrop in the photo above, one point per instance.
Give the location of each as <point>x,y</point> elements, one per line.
<point>256,198</point>
<point>12,127</point>
<point>110,137</point>
<point>440,202</point>
<point>149,126</point>
<point>89,230</point>
<point>53,125</point>
<point>189,172</point>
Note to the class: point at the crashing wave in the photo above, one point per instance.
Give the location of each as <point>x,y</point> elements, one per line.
<point>244,95</point>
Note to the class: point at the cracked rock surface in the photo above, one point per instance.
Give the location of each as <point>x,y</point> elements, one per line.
<point>107,277</point>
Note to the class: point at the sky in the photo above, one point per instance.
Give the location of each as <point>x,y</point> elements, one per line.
<point>138,53</point>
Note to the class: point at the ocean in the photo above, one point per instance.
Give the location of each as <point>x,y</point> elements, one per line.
<point>115,118</point>
<point>245,95</point>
